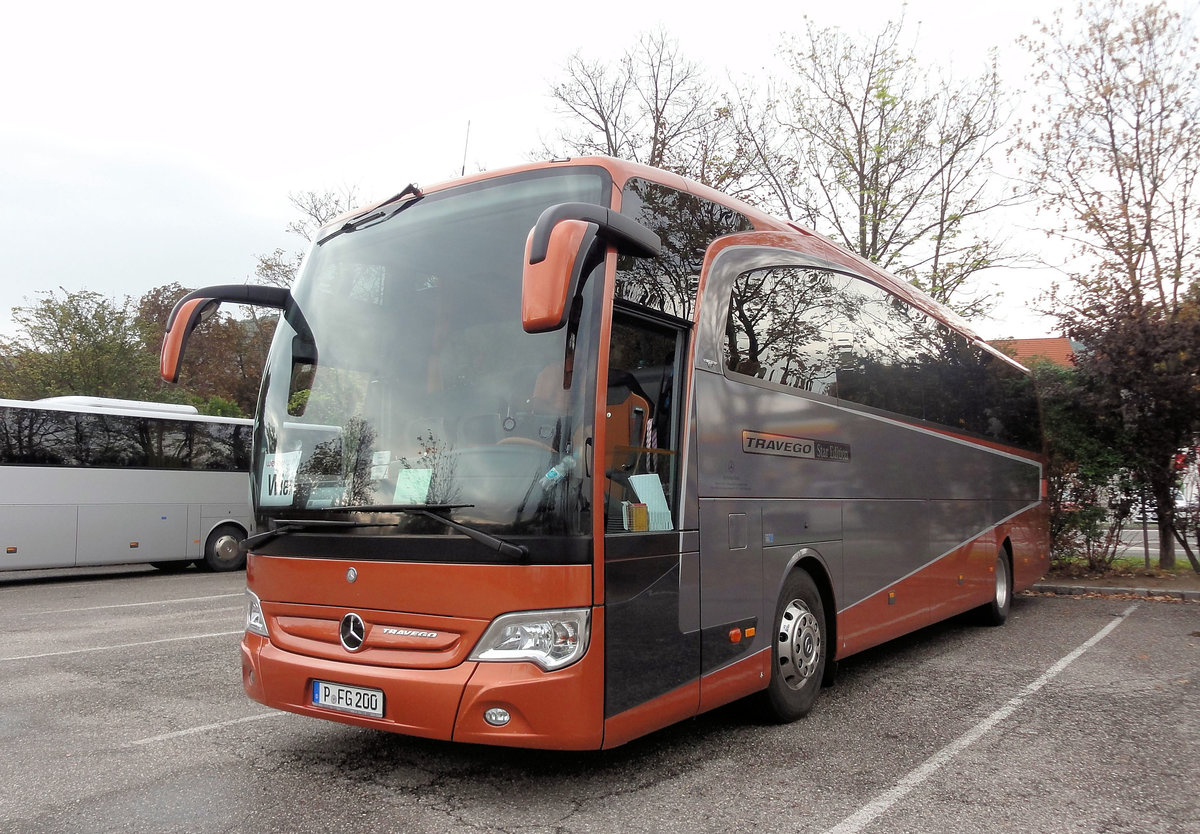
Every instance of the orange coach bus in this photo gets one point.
(559, 455)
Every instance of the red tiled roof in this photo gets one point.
(1055, 349)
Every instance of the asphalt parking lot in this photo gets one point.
(122, 710)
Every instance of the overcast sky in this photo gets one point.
(143, 143)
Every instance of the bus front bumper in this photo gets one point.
(561, 710)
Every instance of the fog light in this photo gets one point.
(497, 717)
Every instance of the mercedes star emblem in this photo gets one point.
(352, 632)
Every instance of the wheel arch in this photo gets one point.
(811, 561)
(217, 521)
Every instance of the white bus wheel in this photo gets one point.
(222, 551)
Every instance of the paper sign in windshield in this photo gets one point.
(279, 479)
(412, 486)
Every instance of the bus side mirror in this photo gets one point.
(562, 248)
(184, 319)
(548, 285)
(199, 305)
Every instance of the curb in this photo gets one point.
(1089, 590)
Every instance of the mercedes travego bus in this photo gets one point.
(558, 455)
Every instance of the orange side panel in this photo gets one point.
(653, 715)
(473, 591)
(561, 710)
(743, 678)
(961, 580)
(1030, 536)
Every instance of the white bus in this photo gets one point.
(93, 481)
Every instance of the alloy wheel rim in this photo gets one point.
(799, 644)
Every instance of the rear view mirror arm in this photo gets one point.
(199, 304)
(627, 235)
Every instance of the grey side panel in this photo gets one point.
(898, 495)
(651, 641)
(747, 547)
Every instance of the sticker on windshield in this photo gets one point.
(379, 465)
(326, 495)
(279, 479)
(412, 486)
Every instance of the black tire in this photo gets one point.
(222, 550)
(994, 613)
(798, 654)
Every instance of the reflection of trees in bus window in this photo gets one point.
(783, 327)
(846, 338)
(343, 461)
(59, 438)
(353, 281)
(686, 225)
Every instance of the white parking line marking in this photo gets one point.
(130, 605)
(203, 729)
(874, 809)
(122, 645)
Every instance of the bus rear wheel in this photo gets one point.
(994, 613)
(222, 550)
(799, 650)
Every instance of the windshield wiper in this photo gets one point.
(296, 525)
(433, 511)
(377, 214)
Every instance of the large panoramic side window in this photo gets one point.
(845, 338)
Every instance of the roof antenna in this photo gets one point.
(466, 142)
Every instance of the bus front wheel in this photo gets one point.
(799, 650)
(222, 551)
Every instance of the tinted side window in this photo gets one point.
(61, 438)
(788, 326)
(846, 338)
(686, 224)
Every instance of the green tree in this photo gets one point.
(77, 343)
(225, 354)
(1114, 154)
(1089, 488)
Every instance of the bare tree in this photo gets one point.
(1114, 153)
(315, 208)
(862, 143)
(654, 106)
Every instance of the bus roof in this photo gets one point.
(817, 244)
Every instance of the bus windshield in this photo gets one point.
(404, 377)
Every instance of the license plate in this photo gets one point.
(345, 698)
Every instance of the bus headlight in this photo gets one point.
(551, 639)
(256, 623)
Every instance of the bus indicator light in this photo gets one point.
(735, 635)
(10, 550)
(133, 545)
